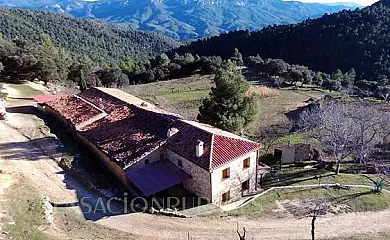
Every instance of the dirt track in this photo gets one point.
(19, 156)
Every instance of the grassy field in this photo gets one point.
(184, 96)
(378, 236)
(302, 176)
(295, 201)
(24, 208)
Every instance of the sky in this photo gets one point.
(361, 2)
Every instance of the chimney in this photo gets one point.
(199, 148)
(101, 105)
(172, 131)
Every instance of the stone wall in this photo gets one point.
(103, 158)
(302, 152)
(238, 175)
(200, 183)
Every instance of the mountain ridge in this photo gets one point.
(185, 19)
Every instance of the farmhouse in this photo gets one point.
(150, 150)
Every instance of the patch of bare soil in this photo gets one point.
(300, 208)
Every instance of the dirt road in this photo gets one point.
(21, 156)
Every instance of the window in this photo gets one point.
(246, 163)
(245, 185)
(226, 196)
(162, 156)
(179, 163)
(226, 173)
(147, 161)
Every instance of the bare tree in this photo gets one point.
(385, 130)
(241, 237)
(269, 135)
(318, 208)
(334, 130)
(368, 124)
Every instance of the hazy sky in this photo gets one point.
(361, 2)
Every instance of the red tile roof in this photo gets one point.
(128, 131)
(109, 102)
(226, 149)
(184, 143)
(218, 149)
(74, 109)
(47, 98)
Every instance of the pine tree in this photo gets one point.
(99, 82)
(83, 80)
(228, 106)
(237, 57)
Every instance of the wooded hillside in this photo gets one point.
(358, 39)
(90, 40)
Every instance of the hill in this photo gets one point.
(358, 39)
(98, 41)
(186, 19)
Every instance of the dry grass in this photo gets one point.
(263, 91)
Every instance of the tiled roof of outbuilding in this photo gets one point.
(74, 109)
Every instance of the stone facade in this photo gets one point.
(238, 175)
(200, 183)
(302, 152)
(111, 166)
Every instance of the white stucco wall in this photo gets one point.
(238, 175)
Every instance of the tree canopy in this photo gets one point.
(340, 41)
(228, 106)
(89, 40)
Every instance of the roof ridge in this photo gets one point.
(211, 151)
(202, 129)
(228, 134)
(109, 95)
(89, 103)
(238, 138)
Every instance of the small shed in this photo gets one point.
(293, 153)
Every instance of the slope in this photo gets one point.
(99, 41)
(186, 19)
(357, 39)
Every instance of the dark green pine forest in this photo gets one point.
(358, 39)
(346, 51)
(89, 40)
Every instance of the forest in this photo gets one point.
(345, 52)
(348, 39)
(88, 40)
